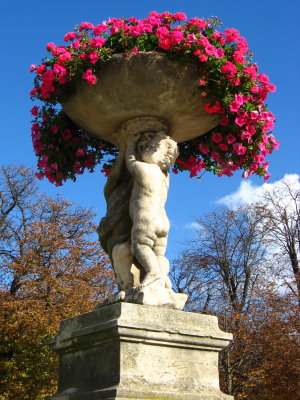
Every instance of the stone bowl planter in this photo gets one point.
(146, 84)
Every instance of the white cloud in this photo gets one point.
(192, 225)
(248, 193)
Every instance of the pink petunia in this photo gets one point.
(179, 16)
(34, 110)
(216, 137)
(239, 148)
(229, 69)
(85, 25)
(70, 36)
(54, 129)
(80, 153)
(230, 138)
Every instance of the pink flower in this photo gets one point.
(54, 128)
(135, 50)
(239, 57)
(266, 177)
(32, 67)
(80, 153)
(54, 166)
(176, 37)
(214, 108)
(64, 58)
(198, 23)
(179, 16)
(229, 69)
(230, 138)
(237, 103)
(92, 79)
(239, 148)
(191, 38)
(224, 121)
(41, 68)
(235, 81)
(85, 25)
(76, 44)
(258, 158)
(210, 49)
(262, 78)
(242, 45)
(70, 36)
(88, 76)
(34, 110)
(106, 170)
(93, 56)
(231, 35)
(215, 156)
(59, 50)
(272, 88)
(50, 46)
(100, 28)
(204, 149)
(97, 42)
(223, 147)
(59, 70)
(66, 134)
(219, 53)
(216, 137)
(250, 71)
(203, 58)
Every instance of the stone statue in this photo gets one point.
(135, 229)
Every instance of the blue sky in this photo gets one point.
(271, 29)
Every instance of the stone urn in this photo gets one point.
(146, 84)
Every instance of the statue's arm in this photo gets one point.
(131, 161)
(115, 174)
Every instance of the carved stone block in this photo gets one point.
(130, 351)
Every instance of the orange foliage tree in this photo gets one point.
(51, 268)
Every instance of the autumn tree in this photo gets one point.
(274, 335)
(51, 268)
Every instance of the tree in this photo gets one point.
(222, 264)
(51, 269)
(274, 336)
(226, 272)
(280, 207)
(220, 272)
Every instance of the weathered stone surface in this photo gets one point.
(128, 351)
(152, 295)
(146, 84)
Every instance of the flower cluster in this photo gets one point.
(230, 86)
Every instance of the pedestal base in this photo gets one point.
(129, 351)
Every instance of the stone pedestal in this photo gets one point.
(130, 351)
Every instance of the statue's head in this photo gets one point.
(157, 148)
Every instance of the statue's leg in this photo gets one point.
(164, 265)
(127, 274)
(142, 249)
